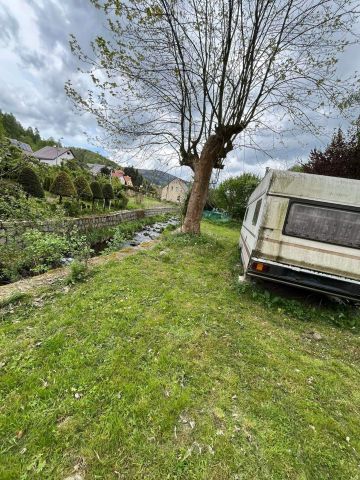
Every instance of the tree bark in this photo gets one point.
(199, 192)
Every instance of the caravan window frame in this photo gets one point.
(332, 206)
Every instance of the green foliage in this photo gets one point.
(136, 177)
(83, 188)
(63, 186)
(47, 183)
(14, 205)
(96, 190)
(108, 192)
(85, 156)
(232, 194)
(11, 160)
(105, 171)
(36, 252)
(30, 182)
(71, 208)
(13, 129)
(78, 272)
(121, 199)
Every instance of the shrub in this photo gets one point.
(14, 205)
(63, 186)
(78, 272)
(30, 182)
(108, 193)
(96, 191)
(72, 209)
(232, 194)
(83, 188)
(47, 183)
(121, 198)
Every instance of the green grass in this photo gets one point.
(162, 367)
(146, 202)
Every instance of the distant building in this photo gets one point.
(95, 168)
(175, 191)
(25, 147)
(124, 179)
(128, 181)
(54, 155)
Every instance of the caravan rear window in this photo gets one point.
(324, 224)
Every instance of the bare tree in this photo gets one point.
(188, 76)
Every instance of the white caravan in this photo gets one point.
(304, 230)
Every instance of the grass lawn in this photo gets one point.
(162, 367)
(147, 202)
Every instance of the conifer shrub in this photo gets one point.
(30, 182)
(83, 188)
(47, 183)
(108, 193)
(96, 191)
(63, 186)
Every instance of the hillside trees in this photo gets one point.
(341, 158)
(63, 186)
(189, 76)
(135, 175)
(30, 182)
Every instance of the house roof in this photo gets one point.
(24, 146)
(51, 153)
(96, 167)
(118, 173)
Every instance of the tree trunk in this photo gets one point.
(199, 192)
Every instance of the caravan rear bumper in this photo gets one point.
(309, 279)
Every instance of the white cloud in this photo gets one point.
(36, 62)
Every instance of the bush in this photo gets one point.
(78, 272)
(14, 205)
(232, 194)
(108, 193)
(30, 182)
(47, 183)
(72, 209)
(83, 188)
(96, 191)
(121, 199)
(39, 251)
(63, 186)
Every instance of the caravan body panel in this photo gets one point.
(306, 222)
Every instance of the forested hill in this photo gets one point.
(157, 177)
(10, 127)
(87, 156)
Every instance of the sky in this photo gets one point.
(35, 63)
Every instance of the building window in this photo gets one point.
(256, 212)
(324, 224)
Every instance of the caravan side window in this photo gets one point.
(256, 212)
(324, 224)
(246, 212)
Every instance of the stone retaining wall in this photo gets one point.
(12, 230)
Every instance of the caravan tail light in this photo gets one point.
(259, 267)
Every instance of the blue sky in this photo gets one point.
(36, 61)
